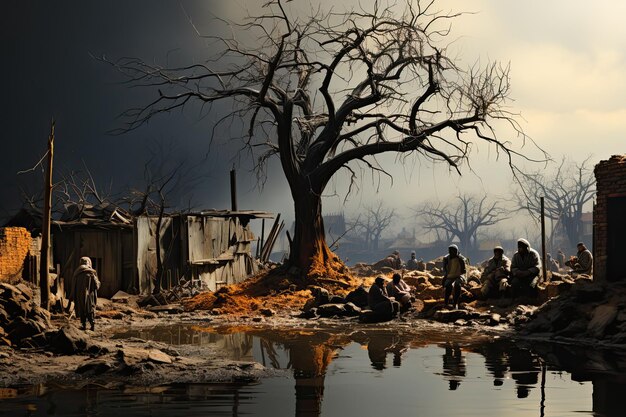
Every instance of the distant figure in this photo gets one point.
(454, 268)
(400, 291)
(392, 261)
(495, 276)
(378, 299)
(525, 269)
(553, 265)
(412, 264)
(582, 263)
(561, 258)
(84, 292)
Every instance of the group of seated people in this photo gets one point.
(514, 277)
(389, 298)
(521, 275)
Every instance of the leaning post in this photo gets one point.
(543, 241)
(44, 269)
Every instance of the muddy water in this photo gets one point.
(370, 372)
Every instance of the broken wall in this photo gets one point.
(609, 220)
(15, 245)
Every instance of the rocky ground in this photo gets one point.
(36, 346)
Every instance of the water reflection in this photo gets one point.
(513, 374)
(453, 365)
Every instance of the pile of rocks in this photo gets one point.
(587, 310)
(22, 321)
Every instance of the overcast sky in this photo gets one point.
(567, 72)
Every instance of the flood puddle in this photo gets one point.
(371, 372)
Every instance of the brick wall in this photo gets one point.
(15, 244)
(610, 181)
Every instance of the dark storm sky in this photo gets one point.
(48, 71)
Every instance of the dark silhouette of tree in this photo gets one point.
(330, 91)
(566, 190)
(166, 178)
(371, 223)
(462, 218)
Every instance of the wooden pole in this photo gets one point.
(44, 269)
(262, 234)
(233, 189)
(543, 241)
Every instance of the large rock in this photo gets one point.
(358, 297)
(331, 310)
(68, 340)
(22, 328)
(369, 316)
(589, 292)
(450, 316)
(603, 316)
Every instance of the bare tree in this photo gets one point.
(566, 190)
(372, 223)
(330, 91)
(462, 219)
(165, 179)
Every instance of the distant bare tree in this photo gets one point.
(463, 218)
(330, 90)
(371, 223)
(566, 190)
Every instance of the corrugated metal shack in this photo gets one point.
(105, 234)
(212, 248)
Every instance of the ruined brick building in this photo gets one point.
(609, 214)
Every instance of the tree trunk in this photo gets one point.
(309, 242)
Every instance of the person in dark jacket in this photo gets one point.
(378, 299)
(84, 292)
(454, 269)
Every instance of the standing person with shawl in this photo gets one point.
(84, 292)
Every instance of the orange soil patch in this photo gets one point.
(275, 290)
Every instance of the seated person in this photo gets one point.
(498, 268)
(378, 300)
(412, 264)
(525, 269)
(392, 261)
(553, 265)
(582, 263)
(400, 291)
(453, 275)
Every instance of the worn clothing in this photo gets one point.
(497, 267)
(530, 262)
(454, 269)
(494, 272)
(584, 265)
(84, 291)
(400, 291)
(412, 264)
(378, 300)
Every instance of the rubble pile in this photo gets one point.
(22, 321)
(590, 311)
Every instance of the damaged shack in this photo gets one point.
(103, 232)
(211, 248)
